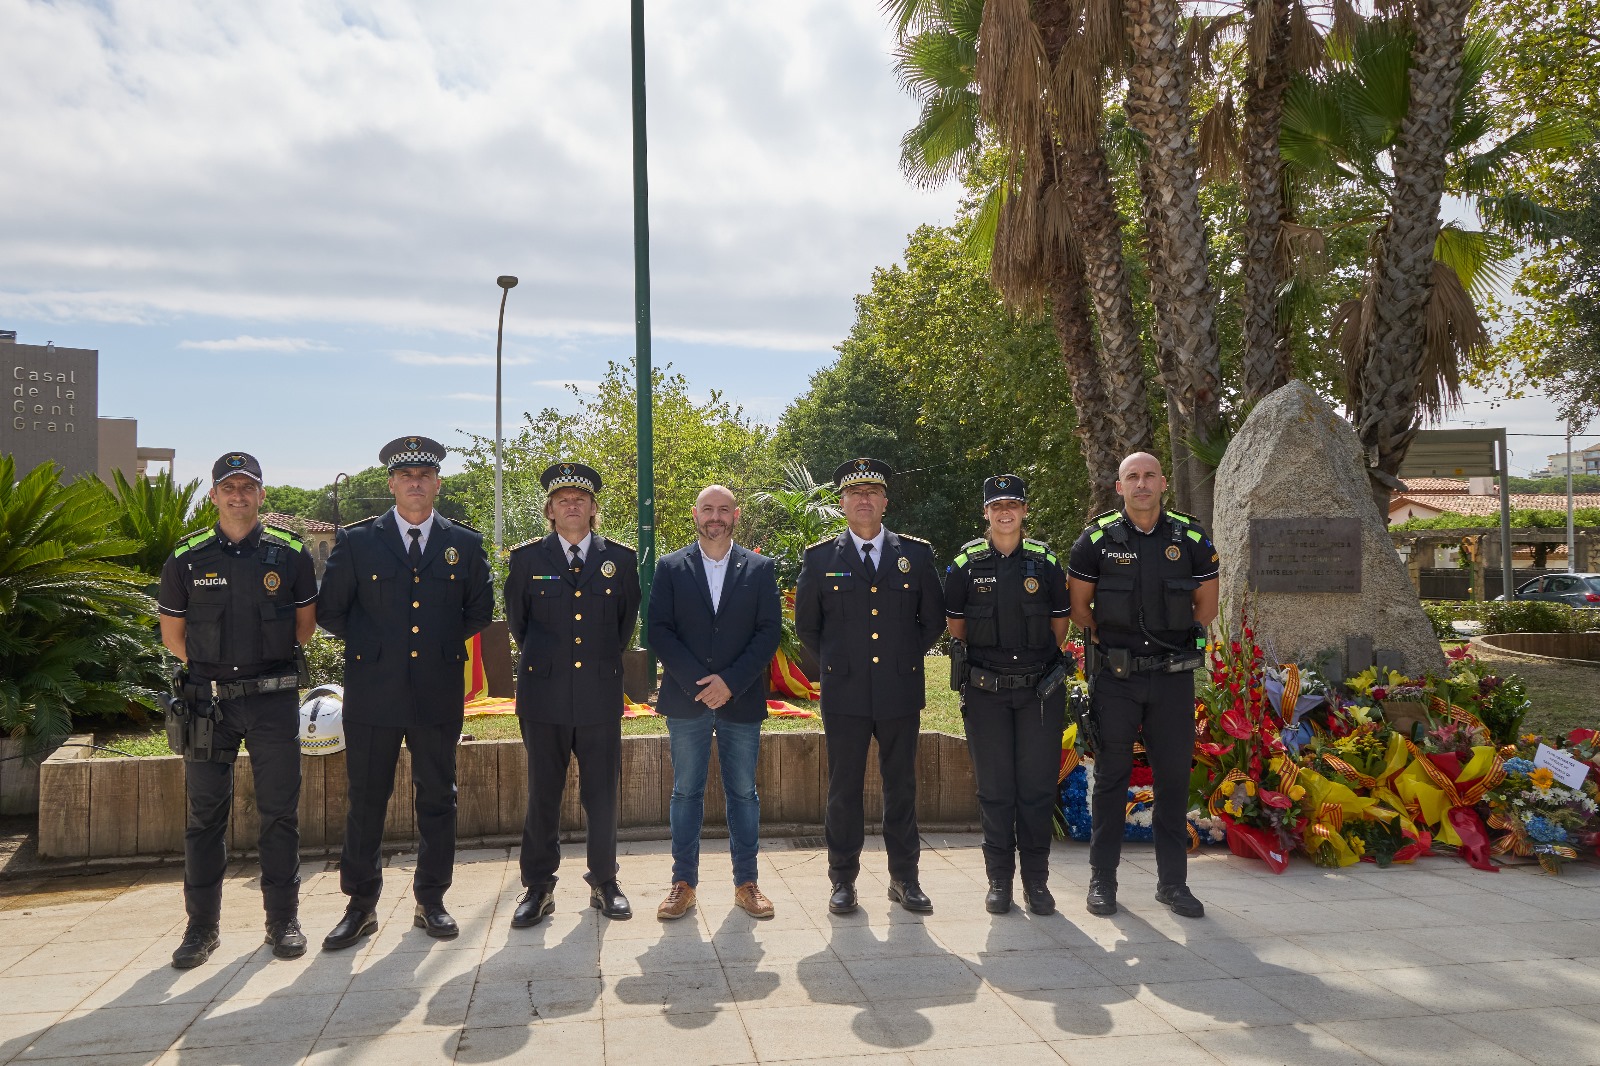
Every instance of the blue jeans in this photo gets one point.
(737, 746)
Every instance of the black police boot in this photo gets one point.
(998, 901)
(356, 923)
(1037, 893)
(286, 937)
(1180, 900)
(1102, 893)
(436, 920)
(909, 895)
(843, 900)
(610, 901)
(536, 904)
(199, 941)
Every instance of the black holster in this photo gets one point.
(958, 665)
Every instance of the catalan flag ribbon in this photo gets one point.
(788, 679)
(477, 679)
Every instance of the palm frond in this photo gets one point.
(1479, 261)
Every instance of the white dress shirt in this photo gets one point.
(582, 546)
(877, 547)
(407, 527)
(716, 573)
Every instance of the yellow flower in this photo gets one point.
(1529, 738)
(1297, 792)
(1542, 778)
(1357, 845)
(1249, 788)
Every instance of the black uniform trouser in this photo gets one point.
(371, 754)
(1015, 742)
(1156, 709)
(848, 737)
(550, 750)
(269, 726)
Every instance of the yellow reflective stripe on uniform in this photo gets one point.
(1094, 537)
(1195, 536)
(961, 560)
(1107, 519)
(1176, 517)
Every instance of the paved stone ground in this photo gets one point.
(1436, 963)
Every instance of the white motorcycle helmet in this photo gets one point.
(322, 721)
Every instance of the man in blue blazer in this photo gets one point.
(405, 590)
(715, 622)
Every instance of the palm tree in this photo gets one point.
(1348, 125)
(804, 511)
(1052, 221)
(156, 515)
(75, 626)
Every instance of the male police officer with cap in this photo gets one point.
(1142, 582)
(235, 602)
(869, 606)
(406, 590)
(1006, 598)
(572, 599)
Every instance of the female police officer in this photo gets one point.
(1006, 598)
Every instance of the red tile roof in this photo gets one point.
(1435, 485)
(312, 525)
(1490, 505)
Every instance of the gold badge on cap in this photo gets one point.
(608, 568)
(452, 556)
(271, 581)
(1173, 553)
(905, 565)
(1030, 585)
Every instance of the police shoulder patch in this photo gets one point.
(282, 536)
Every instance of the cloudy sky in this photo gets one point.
(281, 223)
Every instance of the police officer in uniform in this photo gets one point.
(869, 605)
(235, 602)
(1006, 599)
(405, 590)
(572, 600)
(1143, 583)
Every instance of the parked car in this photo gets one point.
(1575, 590)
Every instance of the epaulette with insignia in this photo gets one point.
(1186, 519)
(530, 542)
(617, 544)
(824, 540)
(919, 540)
(1040, 547)
(463, 525)
(195, 540)
(363, 522)
(973, 549)
(1100, 523)
(283, 536)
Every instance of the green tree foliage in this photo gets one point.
(76, 628)
(697, 443)
(1520, 519)
(803, 511)
(156, 514)
(939, 380)
(295, 501)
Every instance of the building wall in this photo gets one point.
(119, 448)
(52, 407)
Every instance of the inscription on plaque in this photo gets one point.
(1311, 554)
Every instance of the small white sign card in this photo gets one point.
(1568, 771)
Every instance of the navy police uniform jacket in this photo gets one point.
(870, 637)
(571, 629)
(405, 631)
(1144, 582)
(736, 641)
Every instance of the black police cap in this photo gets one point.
(1004, 487)
(236, 463)
(570, 476)
(862, 471)
(412, 451)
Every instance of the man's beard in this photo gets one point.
(712, 530)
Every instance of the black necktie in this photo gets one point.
(415, 554)
(577, 563)
(866, 561)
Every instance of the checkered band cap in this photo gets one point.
(566, 475)
(412, 451)
(863, 471)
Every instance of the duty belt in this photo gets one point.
(232, 690)
(992, 681)
(1171, 662)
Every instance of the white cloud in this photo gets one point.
(379, 163)
(247, 343)
(413, 358)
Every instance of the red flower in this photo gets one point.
(1235, 724)
(1380, 693)
(1213, 749)
(1579, 736)
(1249, 634)
(1234, 647)
(1276, 799)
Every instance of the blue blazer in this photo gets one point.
(736, 641)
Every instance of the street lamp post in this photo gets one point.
(644, 385)
(506, 283)
(1572, 555)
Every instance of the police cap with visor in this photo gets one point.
(862, 471)
(570, 476)
(412, 451)
(1004, 487)
(235, 463)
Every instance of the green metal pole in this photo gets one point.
(641, 296)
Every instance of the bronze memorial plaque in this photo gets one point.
(1310, 554)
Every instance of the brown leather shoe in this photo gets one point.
(679, 901)
(748, 897)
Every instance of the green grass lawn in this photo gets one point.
(943, 713)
